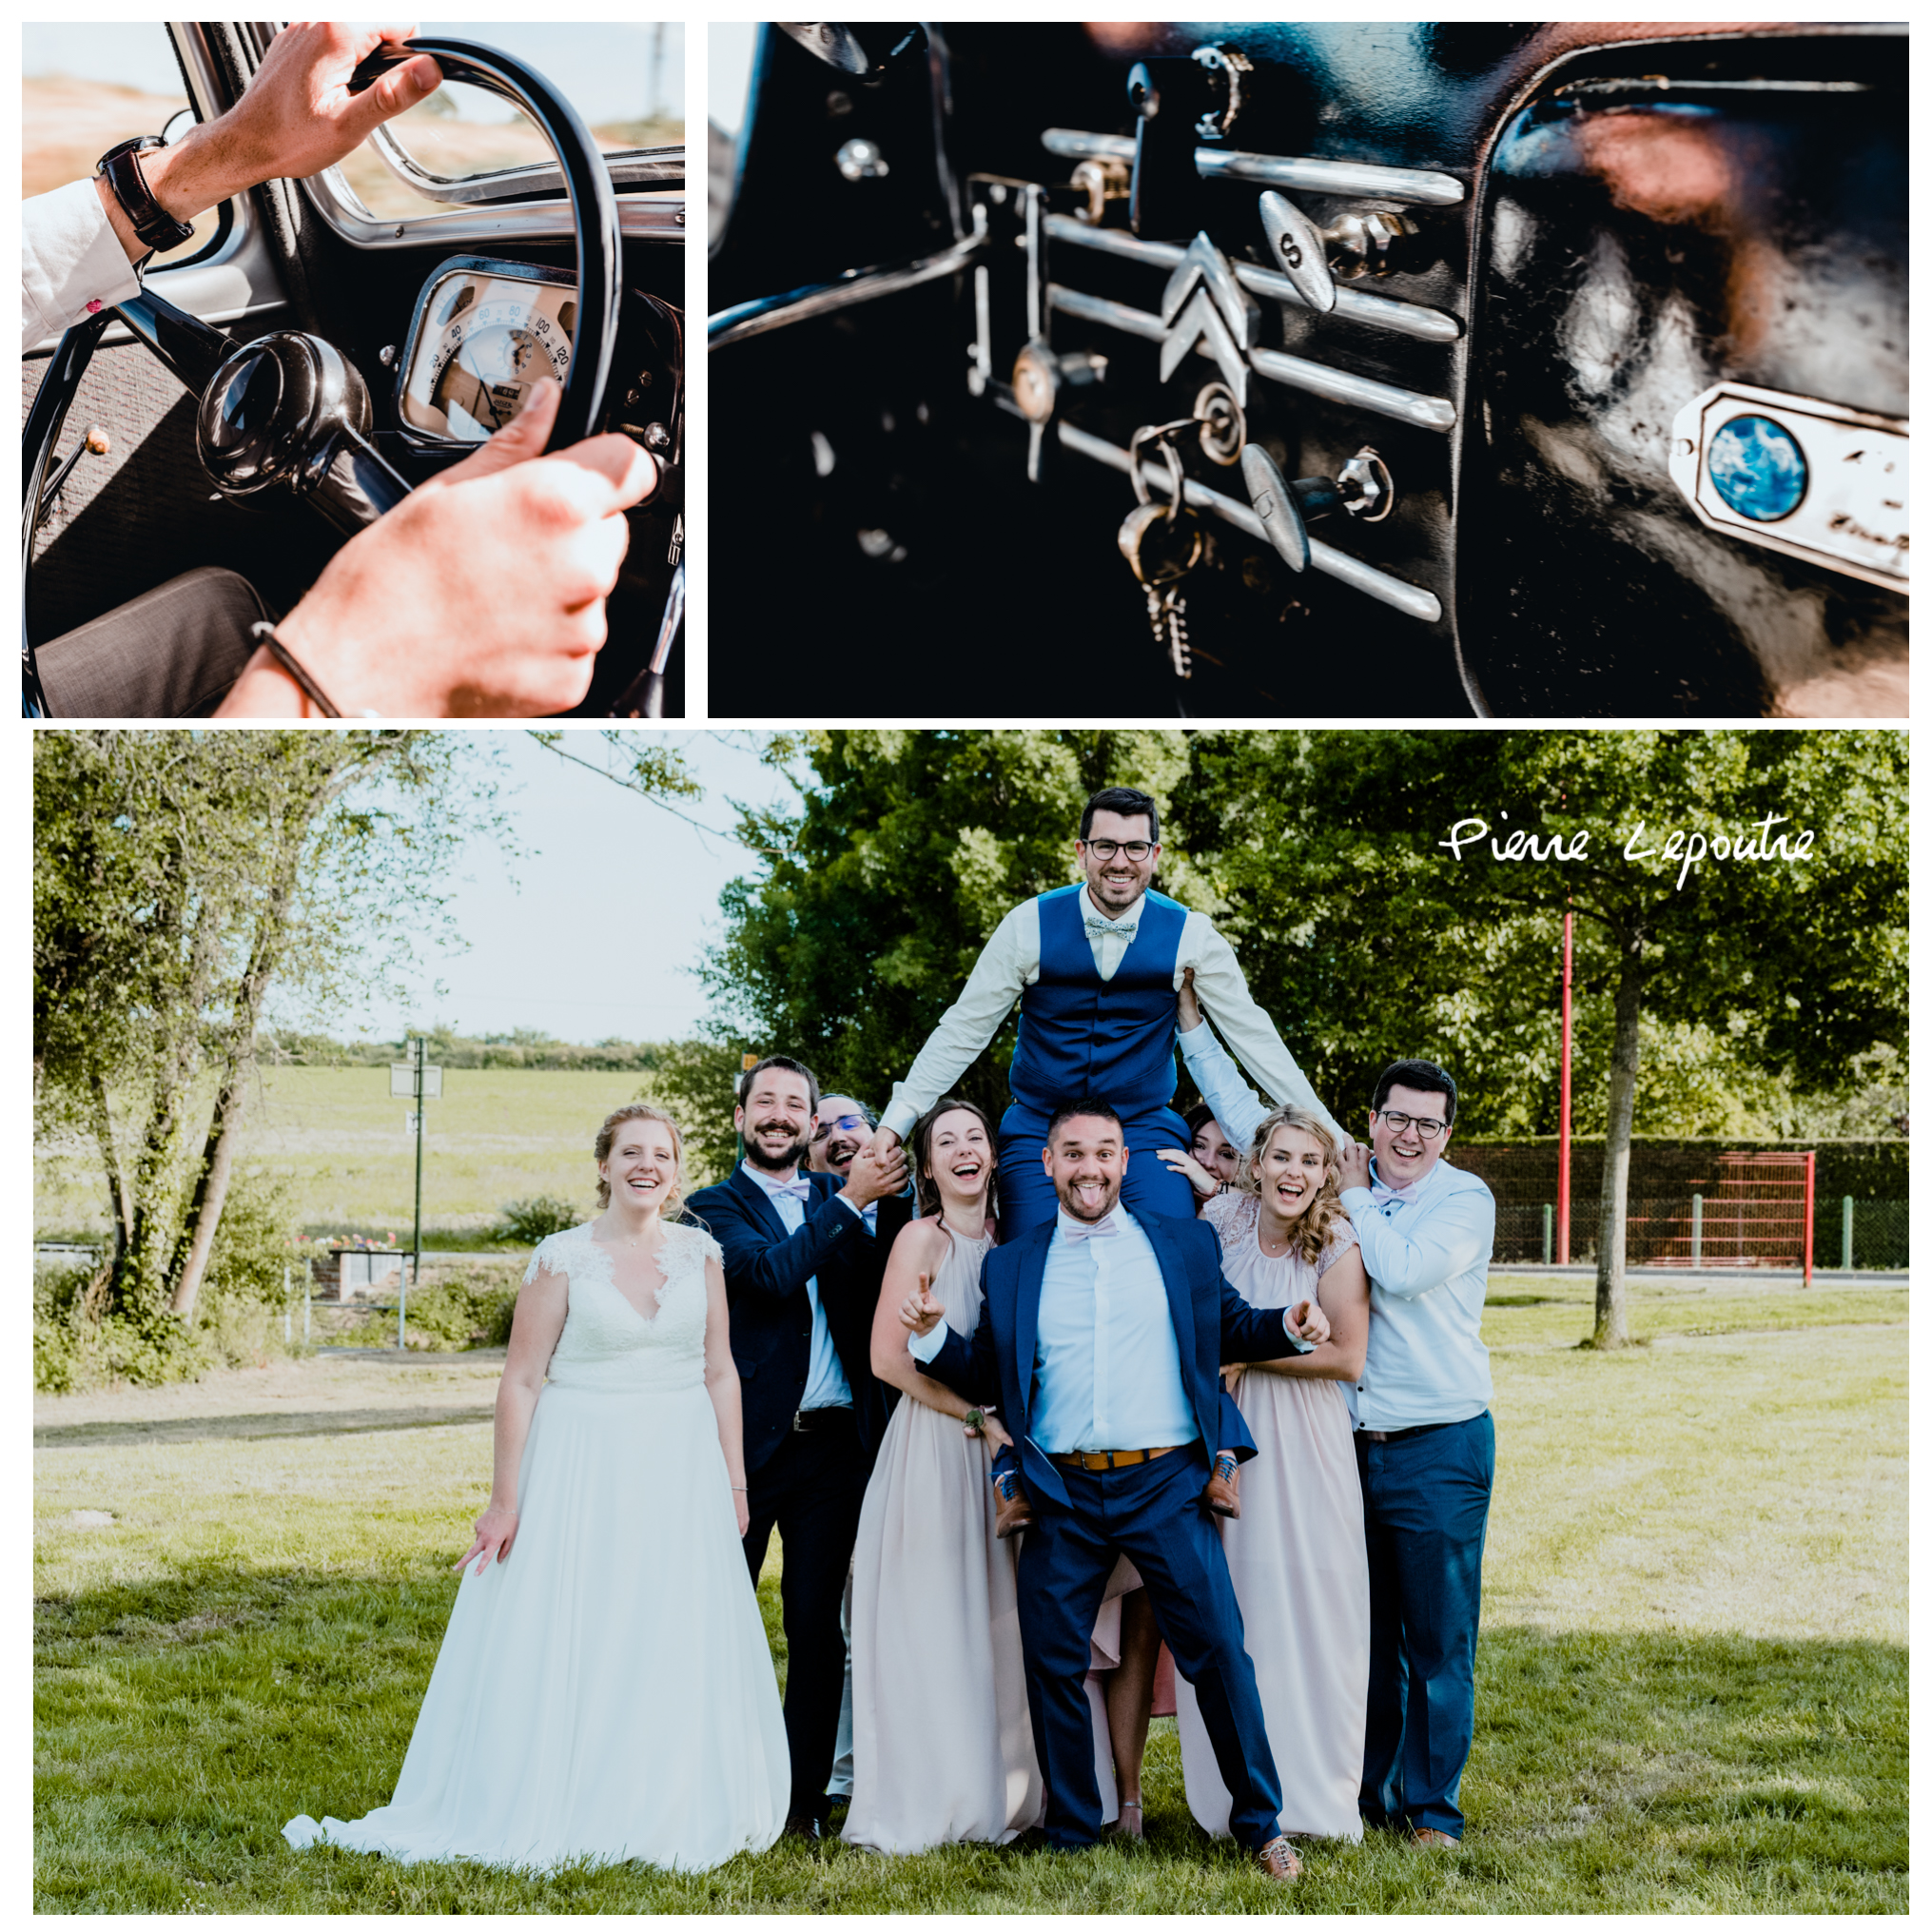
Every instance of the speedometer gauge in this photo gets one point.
(485, 332)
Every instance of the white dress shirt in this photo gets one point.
(71, 261)
(825, 1380)
(1426, 1250)
(1010, 964)
(1106, 1363)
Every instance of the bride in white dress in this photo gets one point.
(604, 1690)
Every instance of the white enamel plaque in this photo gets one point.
(1806, 477)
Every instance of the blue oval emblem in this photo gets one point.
(1758, 468)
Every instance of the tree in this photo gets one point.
(180, 878)
(1397, 893)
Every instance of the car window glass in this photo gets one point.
(625, 80)
(85, 88)
(730, 44)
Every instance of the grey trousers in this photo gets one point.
(173, 653)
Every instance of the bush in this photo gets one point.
(530, 1221)
(466, 1308)
(79, 1342)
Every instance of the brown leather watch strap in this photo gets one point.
(153, 221)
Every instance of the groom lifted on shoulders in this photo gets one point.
(1096, 968)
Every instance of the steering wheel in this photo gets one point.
(287, 410)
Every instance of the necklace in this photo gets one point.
(1287, 1241)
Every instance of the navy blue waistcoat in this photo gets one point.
(1085, 1037)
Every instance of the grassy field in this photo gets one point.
(340, 1139)
(1691, 1684)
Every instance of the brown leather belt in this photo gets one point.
(1111, 1458)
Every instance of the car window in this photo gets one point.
(85, 88)
(626, 80)
(730, 47)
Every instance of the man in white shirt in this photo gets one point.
(1101, 1335)
(1096, 968)
(1425, 1447)
(401, 623)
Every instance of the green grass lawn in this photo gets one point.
(1691, 1686)
(340, 1139)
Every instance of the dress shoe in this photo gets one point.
(803, 1825)
(1223, 1493)
(1015, 1513)
(1426, 1837)
(1277, 1858)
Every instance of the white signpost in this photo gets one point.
(415, 1080)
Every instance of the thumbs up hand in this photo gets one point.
(919, 1311)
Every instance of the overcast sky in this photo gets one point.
(605, 69)
(618, 899)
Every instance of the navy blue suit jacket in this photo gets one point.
(1212, 1324)
(766, 1270)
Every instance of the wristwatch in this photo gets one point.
(153, 221)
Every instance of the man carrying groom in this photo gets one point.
(1096, 968)
(1100, 1337)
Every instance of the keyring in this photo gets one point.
(1163, 433)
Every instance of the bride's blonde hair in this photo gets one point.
(607, 1139)
(1315, 1226)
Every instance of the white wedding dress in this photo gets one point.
(607, 1692)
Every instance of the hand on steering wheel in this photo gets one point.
(416, 618)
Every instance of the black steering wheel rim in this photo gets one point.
(587, 187)
(193, 350)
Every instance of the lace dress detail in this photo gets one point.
(606, 1342)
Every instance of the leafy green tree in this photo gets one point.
(180, 878)
(1399, 893)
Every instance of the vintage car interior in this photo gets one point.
(262, 401)
(1500, 369)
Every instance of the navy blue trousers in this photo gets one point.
(1149, 1186)
(1153, 1513)
(1426, 1500)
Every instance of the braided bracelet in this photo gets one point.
(264, 634)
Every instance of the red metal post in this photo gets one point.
(1562, 1123)
(1811, 1203)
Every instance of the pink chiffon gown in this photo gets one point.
(1299, 1560)
(941, 1741)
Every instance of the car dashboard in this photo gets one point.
(1475, 304)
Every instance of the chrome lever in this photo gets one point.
(1362, 487)
(1362, 242)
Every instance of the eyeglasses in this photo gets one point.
(1104, 850)
(846, 1123)
(1398, 1122)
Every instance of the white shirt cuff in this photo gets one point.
(70, 257)
(924, 1348)
(846, 1200)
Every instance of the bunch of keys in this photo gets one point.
(1163, 543)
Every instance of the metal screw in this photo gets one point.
(656, 436)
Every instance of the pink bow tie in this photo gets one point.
(801, 1189)
(1071, 1230)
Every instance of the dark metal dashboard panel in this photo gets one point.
(1519, 312)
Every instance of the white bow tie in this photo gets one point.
(1126, 928)
(1071, 1230)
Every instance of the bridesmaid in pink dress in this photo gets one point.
(1298, 1554)
(942, 1740)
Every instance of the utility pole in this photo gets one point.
(421, 1082)
(1563, 1122)
(416, 1267)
